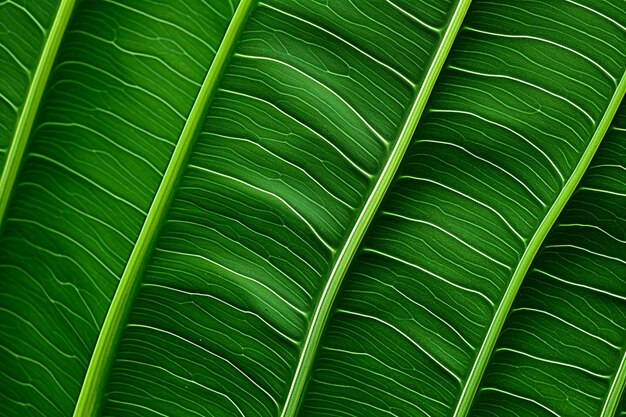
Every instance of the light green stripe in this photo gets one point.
(476, 374)
(615, 392)
(327, 299)
(96, 379)
(612, 401)
(26, 118)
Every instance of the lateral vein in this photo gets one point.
(482, 358)
(94, 384)
(19, 142)
(342, 263)
(615, 391)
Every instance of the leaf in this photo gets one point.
(185, 233)
(116, 106)
(27, 50)
(563, 346)
(444, 260)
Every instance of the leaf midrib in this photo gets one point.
(26, 118)
(482, 358)
(616, 390)
(353, 241)
(96, 378)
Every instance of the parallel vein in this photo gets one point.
(94, 384)
(482, 358)
(26, 118)
(342, 263)
(616, 390)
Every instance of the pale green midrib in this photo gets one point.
(344, 259)
(480, 364)
(616, 390)
(96, 378)
(19, 142)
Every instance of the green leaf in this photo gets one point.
(28, 48)
(563, 347)
(121, 97)
(295, 208)
(493, 163)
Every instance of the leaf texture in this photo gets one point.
(510, 118)
(277, 110)
(27, 50)
(21, 49)
(271, 261)
(562, 350)
(330, 123)
(126, 78)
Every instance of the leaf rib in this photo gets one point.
(94, 384)
(342, 263)
(615, 391)
(482, 358)
(25, 121)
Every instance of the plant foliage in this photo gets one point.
(316, 208)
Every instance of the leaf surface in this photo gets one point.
(125, 81)
(273, 270)
(27, 50)
(209, 220)
(508, 132)
(562, 350)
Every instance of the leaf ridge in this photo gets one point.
(609, 409)
(25, 121)
(94, 384)
(482, 358)
(342, 263)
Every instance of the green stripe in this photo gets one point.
(25, 121)
(327, 299)
(94, 385)
(609, 409)
(480, 364)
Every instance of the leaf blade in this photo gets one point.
(567, 322)
(60, 248)
(300, 135)
(445, 245)
(327, 299)
(467, 397)
(17, 144)
(227, 172)
(92, 390)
